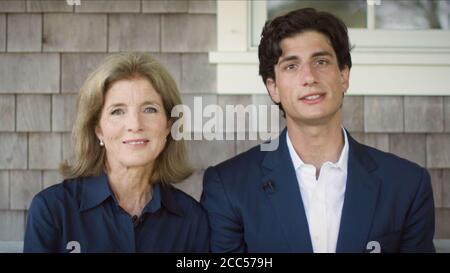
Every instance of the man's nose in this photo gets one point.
(307, 75)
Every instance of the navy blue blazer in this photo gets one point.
(254, 204)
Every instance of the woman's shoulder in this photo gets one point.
(186, 202)
(60, 192)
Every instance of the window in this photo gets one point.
(360, 15)
(412, 14)
(353, 12)
(381, 14)
(400, 47)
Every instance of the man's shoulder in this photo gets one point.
(394, 166)
(239, 171)
(390, 159)
(249, 159)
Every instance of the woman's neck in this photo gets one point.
(132, 187)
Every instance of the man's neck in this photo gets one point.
(317, 144)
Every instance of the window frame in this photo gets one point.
(385, 62)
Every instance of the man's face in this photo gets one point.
(308, 81)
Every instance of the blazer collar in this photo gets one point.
(360, 200)
(280, 184)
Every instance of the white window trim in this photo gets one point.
(385, 62)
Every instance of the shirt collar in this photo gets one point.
(343, 158)
(155, 203)
(96, 189)
(298, 162)
(168, 199)
(163, 196)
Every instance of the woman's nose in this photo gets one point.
(134, 122)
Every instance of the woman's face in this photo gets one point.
(133, 124)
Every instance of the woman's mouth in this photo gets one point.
(136, 142)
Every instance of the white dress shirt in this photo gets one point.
(323, 198)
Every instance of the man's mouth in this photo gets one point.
(313, 98)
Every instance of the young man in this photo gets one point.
(320, 191)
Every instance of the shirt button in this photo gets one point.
(135, 220)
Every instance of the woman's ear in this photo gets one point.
(98, 132)
(170, 122)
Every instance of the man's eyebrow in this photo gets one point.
(322, 53)
(295, 58)
(288, 58)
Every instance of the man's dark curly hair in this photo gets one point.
(295, 22)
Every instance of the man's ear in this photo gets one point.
(273, 90)
(345, 78)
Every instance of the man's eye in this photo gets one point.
(322, 62)
(150, 109)
(291, 66)
(117, 112)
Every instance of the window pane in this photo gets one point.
(412, 14)
(352, 12)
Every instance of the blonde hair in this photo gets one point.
(171, 165)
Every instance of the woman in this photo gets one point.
(117, 195)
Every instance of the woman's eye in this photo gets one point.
(117, 112)
(150, 109)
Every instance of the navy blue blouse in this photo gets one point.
(82, 215)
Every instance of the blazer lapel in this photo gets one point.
(280, 184)
(360, 200)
